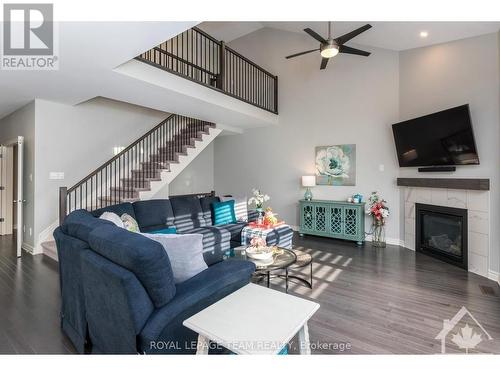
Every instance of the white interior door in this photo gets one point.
(11, 202)
(6, 189)
(20, 198)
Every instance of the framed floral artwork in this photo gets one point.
(336, 165)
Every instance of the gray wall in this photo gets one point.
(197, 177)
(355, 100)
(22, 123)
(451, 74)
(76, 140)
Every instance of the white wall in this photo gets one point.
(22, 123)
(197, 177)
(447, 75)
(355, 100)
(76, 140)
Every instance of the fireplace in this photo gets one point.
(441, 232)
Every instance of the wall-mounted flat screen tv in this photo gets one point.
(441, 138)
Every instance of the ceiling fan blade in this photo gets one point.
(324, 61)
(346, 37)
(301, 53)
(353, 51)
(315, 35)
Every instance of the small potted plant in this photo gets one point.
(258, 201)
(378, 209)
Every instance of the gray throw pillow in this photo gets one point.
(185, 252)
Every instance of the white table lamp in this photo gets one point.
(308, 182)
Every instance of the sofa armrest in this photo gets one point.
(117, 305)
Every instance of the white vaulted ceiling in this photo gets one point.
(397, 36)
(88, 53)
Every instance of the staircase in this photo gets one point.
(138, 172)
(139, 181)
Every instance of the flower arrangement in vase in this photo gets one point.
(270, 218)
(378, 209)
(258, 201)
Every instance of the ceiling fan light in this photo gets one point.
(329, 51)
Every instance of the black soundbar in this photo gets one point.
(438, 169)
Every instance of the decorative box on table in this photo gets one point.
(280, 235)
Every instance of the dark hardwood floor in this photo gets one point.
(29, 303)
(392, 300)
(373, 301)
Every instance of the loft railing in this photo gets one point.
(197, 56)
(132, 170)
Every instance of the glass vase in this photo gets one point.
(378, 236)
(260, 216)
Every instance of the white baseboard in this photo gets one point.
(390, 241)
(494, 276)
(28, 248)
(45, 235)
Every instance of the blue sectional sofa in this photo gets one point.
(118, 294)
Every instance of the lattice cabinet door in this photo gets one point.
(352, 222)
(321, 218)
(336, 220)
(307, 217)
(333, 219)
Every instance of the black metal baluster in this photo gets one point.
(99, 182)
(91, 195)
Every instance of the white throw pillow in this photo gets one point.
(240, 207)
(185, 252)
(114, 218)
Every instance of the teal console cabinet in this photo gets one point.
(336, 219)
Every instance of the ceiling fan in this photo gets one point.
(332, 46)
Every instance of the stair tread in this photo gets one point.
(117, 200)
(145, 179)
(128, 188)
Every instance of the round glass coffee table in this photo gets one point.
(281, 260)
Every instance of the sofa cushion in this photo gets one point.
(223, 212)
(119, 209)
(206, 206)
(145, 258)
(193, 296)
(215, 243)
(185, 252)
(80, 223)
(153, 214)
(188, 213)
(235, 230)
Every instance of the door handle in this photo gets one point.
(19, 201)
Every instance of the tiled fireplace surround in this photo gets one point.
(477, 203)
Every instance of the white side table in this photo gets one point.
(254, 320)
